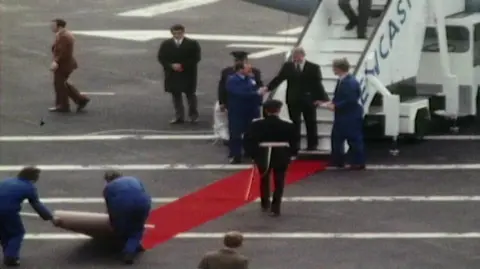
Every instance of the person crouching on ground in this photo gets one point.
(128, 206)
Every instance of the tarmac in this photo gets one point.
(417, 210)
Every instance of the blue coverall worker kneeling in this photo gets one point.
(128, 206)
(13, 192)
(348, 119)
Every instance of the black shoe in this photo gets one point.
(274, 214)
(194, 120)
(82, 104)
(177, 121)
(11, 262)
(356, 167)
(59, 110)
(313, 148)
(350, 26)
(140, 249)
(129, 258)
(235, 160)
(362, 36)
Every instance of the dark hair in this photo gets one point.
(233, 239)
(341, 64)
(111, 175)
(239, 66)
(60, 23)
(177, 27)
(29, 173)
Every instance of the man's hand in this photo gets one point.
(318, 103)
(54, 66)
(330, 106)
(223, 108)
(262, 90)
(177, 67)
(56, 222)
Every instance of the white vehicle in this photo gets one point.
(420, 61)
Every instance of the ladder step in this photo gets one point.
(343, 45)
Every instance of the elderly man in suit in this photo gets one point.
(348, 118)
(227, 257)
(304, 93)
(179, 57)
(62, 66)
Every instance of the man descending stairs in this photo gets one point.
(361, 20)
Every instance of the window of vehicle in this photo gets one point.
(457, 36)
(476, 45)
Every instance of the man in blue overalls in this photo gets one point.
(244, 101)
(13, 192)
(348, 119)
(128, 206)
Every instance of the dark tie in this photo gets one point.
(299, 69)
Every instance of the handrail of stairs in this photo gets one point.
(390, 104)
(372, 37)
(300, 38)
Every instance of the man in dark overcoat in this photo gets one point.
(179, 57)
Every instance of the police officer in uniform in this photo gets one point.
(239, 57)
(271, 129)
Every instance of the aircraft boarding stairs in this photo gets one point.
(395, 37)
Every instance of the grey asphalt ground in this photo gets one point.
(130, 70)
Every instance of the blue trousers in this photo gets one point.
(129, 226)
(11, 234)
(351, 131)
(238, 123)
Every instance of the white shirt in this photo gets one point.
(178, 42)
(300, 64)
(340, 78)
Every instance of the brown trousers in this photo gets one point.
(65, 90)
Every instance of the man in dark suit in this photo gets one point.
(227, 257)
(221, 106)
(179, 57)
(304, 93)
(272, 156)
(348, 119)
(62, 66)
(360, 21)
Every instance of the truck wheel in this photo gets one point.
(422, 125)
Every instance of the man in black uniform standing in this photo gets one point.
(271, 129)
(239, 57)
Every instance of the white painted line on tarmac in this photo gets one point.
(292, 199)
(471, 235)
(222, 167)
(132, 167)
(453, 137)
(99, 93)
(104, 138)
(147, 35)
(268, 53)
(164, 8)
(292, 31)
(256, 46)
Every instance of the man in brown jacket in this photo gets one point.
(227, 257)
(62, 67)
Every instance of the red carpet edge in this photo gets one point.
(213, 201)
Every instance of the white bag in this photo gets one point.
(220, 122)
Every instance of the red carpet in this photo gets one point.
(213, 201)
